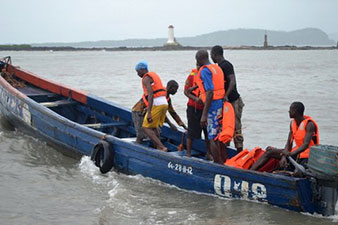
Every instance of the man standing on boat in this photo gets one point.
(210, 81)
(155, 96)
(303, 130)
(194, 113)
(231, 93)
(140, 107)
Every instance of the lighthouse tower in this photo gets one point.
(266, 40)
(171, 38)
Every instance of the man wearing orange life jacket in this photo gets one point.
(140, 107)
(303, 130)
(171, 89)
(194, 113)
(210, 81)
(155, 95)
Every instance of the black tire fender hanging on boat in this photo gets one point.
(103, 156)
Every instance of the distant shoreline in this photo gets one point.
(158, 48)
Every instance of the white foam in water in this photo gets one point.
(97, 211)
(192, 217)
(334, 218)
(88, 167)
(113, 191)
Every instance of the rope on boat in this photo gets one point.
(10, 78)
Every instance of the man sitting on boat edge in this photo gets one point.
(303, 130)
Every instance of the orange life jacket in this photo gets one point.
(245, 159)
(194, 73)
(217, 80)
(157, 86)
(228, 123)
(298, 135)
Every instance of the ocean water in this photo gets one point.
(39, 185)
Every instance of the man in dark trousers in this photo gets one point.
(231, 93)
(194, 113)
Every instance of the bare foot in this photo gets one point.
(180, 147)
(209, 157)
(164, 149)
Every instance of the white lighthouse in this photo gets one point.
(171, 37)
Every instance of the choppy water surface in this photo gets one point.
(41, 186)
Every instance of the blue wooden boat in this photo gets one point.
(74, 121)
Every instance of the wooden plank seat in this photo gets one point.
(104, 125)
(57, 103)
(49, 95)
(33, 91)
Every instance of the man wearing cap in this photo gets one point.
(154, 97)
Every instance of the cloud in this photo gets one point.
(37, 21)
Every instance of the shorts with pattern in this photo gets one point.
(214, 126)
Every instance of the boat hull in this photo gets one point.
(172, 168)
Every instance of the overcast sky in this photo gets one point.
(37, 21)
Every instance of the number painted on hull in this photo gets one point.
(225, 186)
(180, 168)
(16, 106)
(26, 115)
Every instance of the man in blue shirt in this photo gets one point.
(212, 86)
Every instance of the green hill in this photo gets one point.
(235, 37)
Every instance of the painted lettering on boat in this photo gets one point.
(20, 108)
(180, 168)
(227, 187)
(27, 117)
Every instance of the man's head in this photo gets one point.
(216, 53)
(202, 58)
(141, 68)
(172, 87)
(296, 109)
